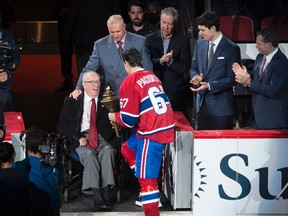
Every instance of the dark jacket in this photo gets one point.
(70, 119)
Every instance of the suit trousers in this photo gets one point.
(210, 122)
(99, 165)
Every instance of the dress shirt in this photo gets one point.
(269, 57)
(86, 112)
(123, 42)
(166, 42)
(216, 43)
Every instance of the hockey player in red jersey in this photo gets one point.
(145, 106)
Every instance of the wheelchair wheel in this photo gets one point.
(66, 195)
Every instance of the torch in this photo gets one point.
(111, 102)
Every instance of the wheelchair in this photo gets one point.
(73, 175)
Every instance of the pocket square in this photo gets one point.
(221, 57)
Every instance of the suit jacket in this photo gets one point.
(171, 75)
(70, 119)
(270, 93)
(220, 76)
(105, 55)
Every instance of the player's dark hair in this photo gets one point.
(132, 56)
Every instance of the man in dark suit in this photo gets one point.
(106, 55)
(268, 83)
(59, 13)
(86, 23)
(170, 54)
(74, 123)
(212, 75)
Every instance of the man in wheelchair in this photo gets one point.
(95, 146)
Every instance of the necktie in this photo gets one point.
(211, 53)
(261, 71)
(93, 132)
(120, 49)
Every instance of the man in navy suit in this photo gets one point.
(214, 80)
(268, 82)
(171, 57)
(106, 56)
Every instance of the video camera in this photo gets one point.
(51, 149)
(51, 145)
(7, 55)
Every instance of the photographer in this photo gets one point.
(9, 61)
(45, 179)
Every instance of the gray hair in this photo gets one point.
(116, 18)
(171, 11)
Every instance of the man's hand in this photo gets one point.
(197, 79)
(203, 86)
(3, 75)
(75, 93)
(166, 57)
(83, 141)
(241, 74)
(112, 117)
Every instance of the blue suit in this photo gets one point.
(219, 100)
(105, 55)
(270, 93)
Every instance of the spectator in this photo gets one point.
(268, 83)
(170, 54)
(45, 179)
(211, 69)
(106, 55)
(15, 197)
(145, 106)
(74, 123)
(65, 47)
(138, 25)
(86, 23)
(154, 8)
(10, 59)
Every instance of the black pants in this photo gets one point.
(210, 122)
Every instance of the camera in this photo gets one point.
(7, 54)
(50, 145)
(51, 149)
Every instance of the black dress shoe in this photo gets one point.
(99, 205)
(65, 86)
(107, 197)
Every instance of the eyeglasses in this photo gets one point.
(92, 82)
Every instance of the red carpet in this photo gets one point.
(39, 74)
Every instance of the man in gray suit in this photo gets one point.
(106, 55)
(98, 162)
(211, 69)
(268, 83)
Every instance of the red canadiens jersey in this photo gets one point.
(144, 104)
